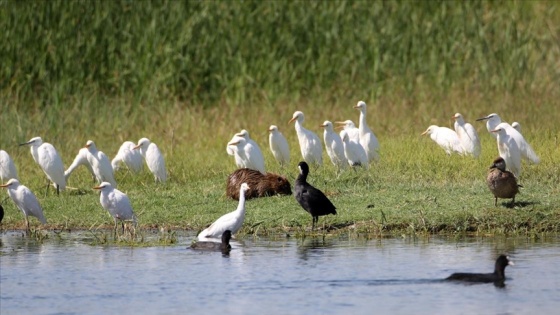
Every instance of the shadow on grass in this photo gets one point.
(519, 204)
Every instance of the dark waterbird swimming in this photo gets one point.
(498, 276)
(310, 198)
(224, 246)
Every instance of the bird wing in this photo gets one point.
(28, 203)
(525, 149)
(156, 162)
(255, 158)
(52, 165)
(229, 221)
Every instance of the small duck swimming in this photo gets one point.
(497, 276)
(224, 246)
(502, 183)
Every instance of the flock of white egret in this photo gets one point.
(354, 147)
(97, 162)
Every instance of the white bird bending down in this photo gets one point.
(354, 152)
(334, 146)
(467, 135)
(351, 130)
(154, 159)
(446, 138)
(25, 200)
(230, 221)
(116, 203)
(309, 142)
(246, 155)
(47, 157)
(100, 164)
(508, 148)
(80, 159)
(278, 146)
(131, 158)
(368, 140)
(7, 167)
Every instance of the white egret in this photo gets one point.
(334, 146)
(508, 148)
(80, 159)
(446, 138)
(368, 140)
(309, 142)
(100, 164)
(131, 158)
(351, 129)
(253, 152)
(246, 155)
(354, 152)
(230, 221)
(492, 121)
(154, 159)
(116, 203)
(48, 158)
(278, 145)
(7, 167)
(25, 200)
(527, 152)
(467, 135)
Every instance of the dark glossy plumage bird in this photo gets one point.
(502, 183)
(223, 246)
(310, 198)
(497, 276)
(1, 213)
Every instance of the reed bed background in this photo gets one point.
(188, 75)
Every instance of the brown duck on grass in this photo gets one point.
(502, 183)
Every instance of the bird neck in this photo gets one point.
(363, 123)
(302, 178)
(241, 205)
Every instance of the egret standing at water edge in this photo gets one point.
(117, 203)
(25, 200)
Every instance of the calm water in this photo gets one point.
(276, 276)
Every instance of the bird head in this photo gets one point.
(11, 182)
(141, 143)
(36, 141)
(102, 186)
(297, 116)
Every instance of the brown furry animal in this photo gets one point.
(261, 185)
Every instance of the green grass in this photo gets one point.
(181, 75)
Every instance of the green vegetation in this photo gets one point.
(188, 75)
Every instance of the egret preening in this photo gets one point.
(7, 167)
(516, 126)
(130, 157)
(116, 203)
(310, 198)
(354, 152)
(368, 140)
(446, 138)
(278, 146)
(80, 159)
(467, 136)
(100, 164)
(46, 156)
(230, 221)
(25, 200)
(309, 142)
(334, 146)
(501, 183)
(154, 159)
(351, 130)
(253, 154)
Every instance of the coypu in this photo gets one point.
(261, 185)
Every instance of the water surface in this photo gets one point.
(280, 275)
